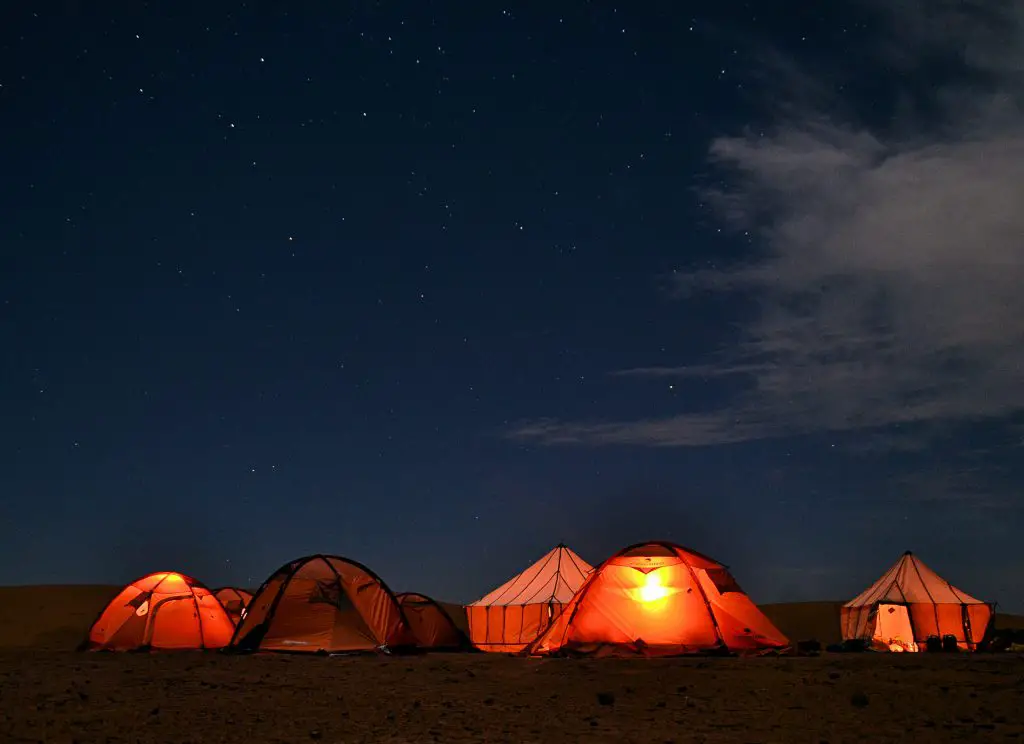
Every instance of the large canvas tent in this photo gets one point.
(235, 600)
(514, 614)
(659, 599)
(323, 604)
(431, 625)
(911, 603)
(165, 610)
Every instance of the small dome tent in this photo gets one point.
(235, 600)
(165, 610)
(323, 604)
(431, 624)
(911, 603)
(513, 615)
(659, 599)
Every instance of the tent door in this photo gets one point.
(893, 628)
(176, 620)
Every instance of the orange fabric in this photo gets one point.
(431, 625)
(517, 612)
(934, 607)
(162, 611)
(234, 600)
(658, 599)
(323, 604)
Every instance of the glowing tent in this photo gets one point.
(659, 599)
(164, 610)
(234, 600)
(432, 626)
(911, 603)
(323, 604)
(518, 611)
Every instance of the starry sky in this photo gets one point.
(438, 285)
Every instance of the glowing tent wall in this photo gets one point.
(659, 599)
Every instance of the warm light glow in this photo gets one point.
(653, 589)
(143, 609)
(898, 646)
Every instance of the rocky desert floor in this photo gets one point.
(61, 696)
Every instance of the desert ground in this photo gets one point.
(50, 693)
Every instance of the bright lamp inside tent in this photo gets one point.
(143, 609)
(651, 589)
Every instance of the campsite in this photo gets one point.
(524, 372)
(324, 650)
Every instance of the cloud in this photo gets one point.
(891, 287)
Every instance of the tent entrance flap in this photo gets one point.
(893, 628)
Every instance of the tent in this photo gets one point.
(234, 600)
(659, 599)
(165, 610)
(911, 603)
(515, 613)
(432, 626)
(323, 604)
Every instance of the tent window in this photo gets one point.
(723, 581)
(328, 592)
(140, 599)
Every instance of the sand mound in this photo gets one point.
(50, 616)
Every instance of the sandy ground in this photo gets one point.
(49, 693)
(60, 696)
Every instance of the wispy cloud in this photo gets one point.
(978, 486)
(892, 288)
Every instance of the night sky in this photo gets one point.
(438, 285)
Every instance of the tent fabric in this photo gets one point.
(659, 599)
(911, 603)
(513, 615)
(323, 604)
(165, 610)
(235, 600)
(431, 625)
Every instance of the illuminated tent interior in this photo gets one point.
(431, 625)
(163, 610)
(514, 614)
(659, 599)
(235, 600)
(911, 603)
(323, 604)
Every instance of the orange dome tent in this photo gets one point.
(659, 599)
(910, 603)
(514, 614)
(323, 604)
(164, 610)
(432, 626)
(234, 600)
